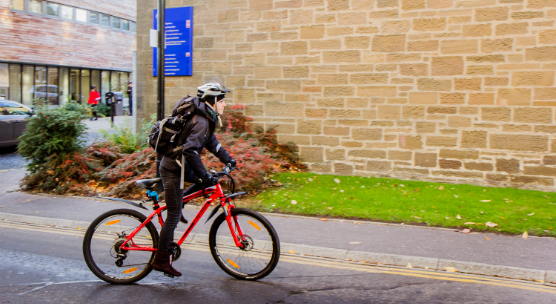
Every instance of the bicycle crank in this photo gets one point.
(175, 250)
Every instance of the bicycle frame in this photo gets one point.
(215, 194)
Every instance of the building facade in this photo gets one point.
(443, 90)
(55, 50)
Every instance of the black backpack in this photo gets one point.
(165, 133)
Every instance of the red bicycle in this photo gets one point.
(119, 246)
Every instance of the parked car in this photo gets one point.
(13, 119)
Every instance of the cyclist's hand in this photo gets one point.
(232, 164)
(209, 180)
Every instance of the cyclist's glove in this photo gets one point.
(232, 163)
(208, 181)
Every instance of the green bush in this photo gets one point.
(128, 142)
(103, 110)
(52, 132)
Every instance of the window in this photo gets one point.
(116, 22)
(93, 17)
(132, 27)
(35, 6)
(125, 25)
(15, 82)
(104, 20)
(64, 86)
(67, 12)
(80, 15)
(52, 9)
(17, 4)
(53, 88)
(28, 83)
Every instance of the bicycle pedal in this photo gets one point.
(168, 275)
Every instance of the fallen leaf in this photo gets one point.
(491, 224)
(330, 208)
(466, 231)
(525, 235)
(502, 217)
(324, 219)
(337, 181)
(458, 217)
(479, 224)
(487, 238)
(417, 217)
(342, 191)
(409, 265)
(469, 223)
(354, 243)
(291, 252)
(485, 201)
(450, 269)
(294, 202)
(531, 214)
(441, 188)
(455, 196)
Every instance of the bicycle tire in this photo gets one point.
(274, 255)
(89, 236)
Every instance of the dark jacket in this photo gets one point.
(197, 134)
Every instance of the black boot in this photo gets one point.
(162, 263)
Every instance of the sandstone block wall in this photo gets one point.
(432, 89)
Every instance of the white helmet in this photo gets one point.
(212, 89)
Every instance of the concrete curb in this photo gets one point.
(382, 259)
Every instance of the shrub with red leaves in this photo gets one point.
(102, 167)
(63, 173)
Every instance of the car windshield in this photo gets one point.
(13, 108)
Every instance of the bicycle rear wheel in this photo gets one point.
(261, 250)
(102, 252)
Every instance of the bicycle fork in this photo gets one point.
(233, 224)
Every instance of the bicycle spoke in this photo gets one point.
(251, 259)
(106, 257)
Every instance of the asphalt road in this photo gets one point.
(45, 265)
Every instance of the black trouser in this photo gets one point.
(130, 106)
(173, 196)
(93, 108)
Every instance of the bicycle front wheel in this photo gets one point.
(260, 252)
(102, 242)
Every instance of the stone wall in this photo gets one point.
(447, 90)
(38, 39)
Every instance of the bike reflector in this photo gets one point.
(233, 264)
(112, 222)
(254, 225)
(130, 270)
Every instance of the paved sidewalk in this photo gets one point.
(376, 242)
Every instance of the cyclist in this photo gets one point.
(197, 134)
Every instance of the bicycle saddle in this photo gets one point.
(147, 183)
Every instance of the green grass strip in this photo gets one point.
(413, 202)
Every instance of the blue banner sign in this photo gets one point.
(179, 42)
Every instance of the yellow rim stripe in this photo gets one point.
(112, 222)
(254, 225)
(233, 264)
(130, 270)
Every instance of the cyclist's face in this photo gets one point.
(220, 105)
